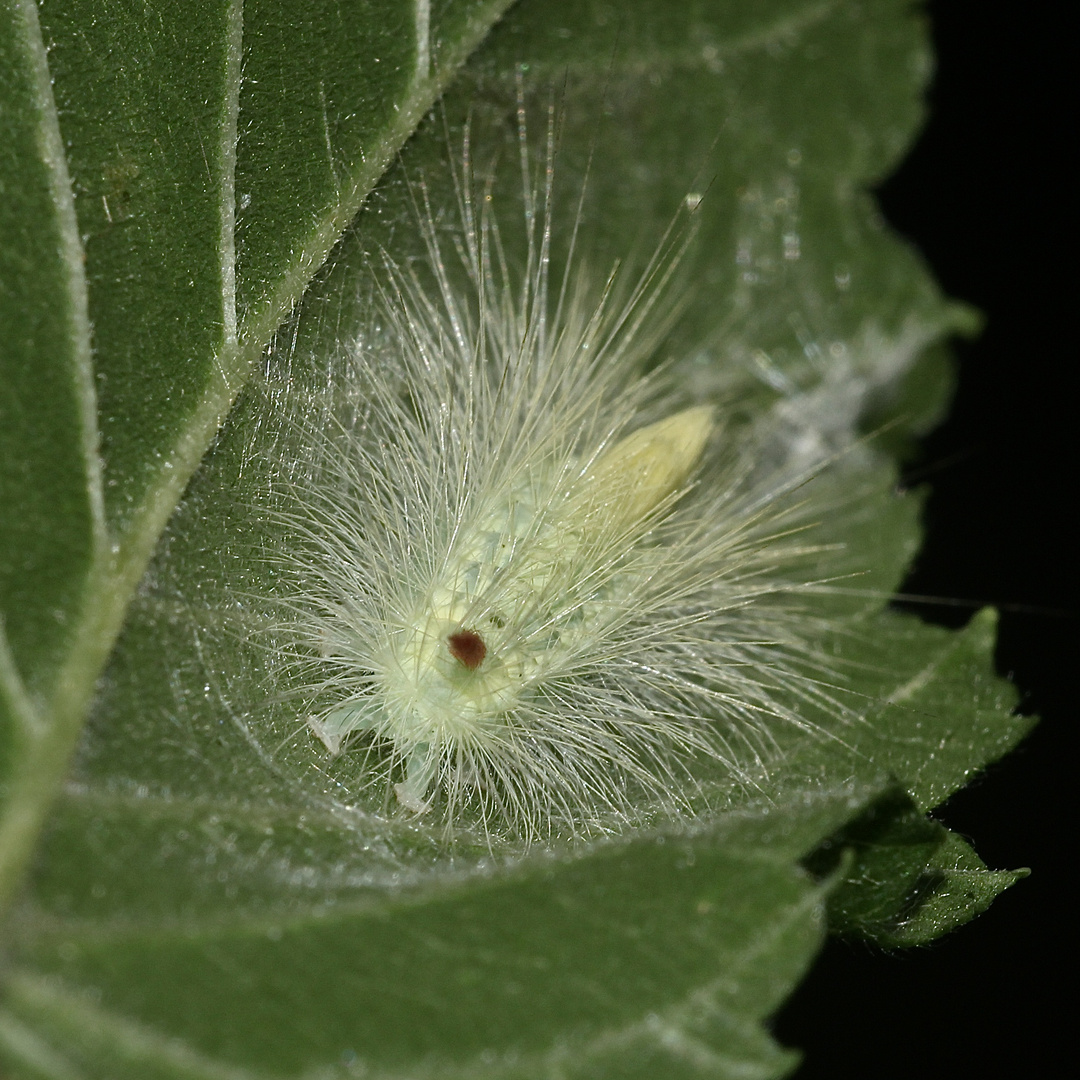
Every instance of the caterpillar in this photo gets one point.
(524, 585)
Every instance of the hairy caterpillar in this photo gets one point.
(524, 583)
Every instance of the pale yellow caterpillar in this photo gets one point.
(477, 643)
(529, 588)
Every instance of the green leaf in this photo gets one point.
(905, 880)
(660, 953)
(933, 715)
(202, 905)
(120, 259)
(887, 848)
(48, 434)
(147, 104)
(327, 99)
(931, 712)
(52, 530)
(955, 887)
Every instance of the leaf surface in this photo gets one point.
(119, 251)
(204, 902)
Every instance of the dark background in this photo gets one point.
(986, 196)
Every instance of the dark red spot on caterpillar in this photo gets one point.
(468, 647)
